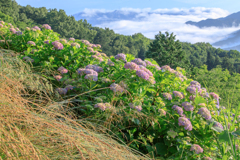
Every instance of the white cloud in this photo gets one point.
(173, 20)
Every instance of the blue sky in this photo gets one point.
(75, 6)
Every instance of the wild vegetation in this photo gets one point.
(156, 111)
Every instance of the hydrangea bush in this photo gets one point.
(162, 113)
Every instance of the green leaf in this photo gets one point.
(181, 134)
(224, 136)
(161, 148)
(236, 134)
(199, 99)
(218, 129)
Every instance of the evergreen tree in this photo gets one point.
(210, 60)
(166, 51)
(141, 53)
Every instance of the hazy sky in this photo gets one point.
(75, 6)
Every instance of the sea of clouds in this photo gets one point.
(128, 21)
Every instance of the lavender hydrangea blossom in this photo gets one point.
(178, 94)
(167, 96)
(178, 109)
(46, 26)
(57, 45)
(187, 106)
(116, 88)
(58, 77)
(121, 56)
(90, 71)
(196, 148)
(69, 87)
(71, 39)
(139, 62)
(205, 113)
(91, 77)
(36, 28)
(132, 66)
(31, 43)
(182, 121)
(142, 74)
(62, 70)
(101, 106)
(217, 124)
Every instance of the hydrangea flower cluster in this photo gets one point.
(178, 94)
(19, 33)
(214, 95)
(196, 148)
(31, 43)
(192, 97)
(95, 68)
(62, 70)
(142, 74)
(167, 96)
(36, 28)
(62, 91)
(132, 66)
(187, 106)
(103, 106)
(75, 44)
(139, 62)
(46, 26)
(121, 56)
(116, 88)
(138, 108)
(217, 124)
(71, 39)
(62, 40)
(58, 77)
(205, 113)
(162, 112)
(13, 30)
(57, 45)
(178, 109)
(182, 121)
(46, 42)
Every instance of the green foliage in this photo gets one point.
(166, 51)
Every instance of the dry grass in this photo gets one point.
(33, 126)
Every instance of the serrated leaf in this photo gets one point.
(218, 129)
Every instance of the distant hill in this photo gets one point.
(232, 20)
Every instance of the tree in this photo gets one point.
(210, 60)
(166, 51)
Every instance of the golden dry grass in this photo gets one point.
(33, 126)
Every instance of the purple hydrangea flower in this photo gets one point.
(167, 96)
(31, 43)
(81, 71)
(121, 56)
(139, 62)
(166, 68)
(142, 74)
(178, 94)
(90, 71)
(138, 108)
(191, 89)
(195, 83)
(148, 63)
(205, 113)
(147, 70)
(217, 124)
(61, 90)
(13, 30)
(91, 77)
(192, 97)
(98, 45)
(57, 45)
(187, 106)
(178, 109)
(75, 44)
(182, 121)
(46, 42)
(196, 148)
(46, 26)
(94, 67)
(62, 70)
(157, 67)
(162, 112)
(131, 105)
(131, 65)
(214, 95)
(71, 39)
(116, 88)
(202, 104)
(37, 28)
(69, 87)
(101, 106)
(58, 77)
